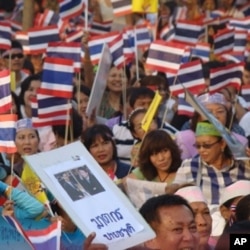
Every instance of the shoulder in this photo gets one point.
(122, 170)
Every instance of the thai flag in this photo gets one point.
(142, 35)
(70, 8)
(116, 50)
(202, 51)
(49, 121)
(240, 40)
(40, 37)
(240, 23)
(5, 35)
(223, 41)
(246, 9)
(235, 57)
(229, 75)
(66, 50)
(17, 10)
(167, 33)
(128, 43)
(217, 13)
(75, 36)
(100, 28)
(57, 77)
(184, 108)
(48, 238)
(190, 76)
(15, 224)
(15, 26)
(165, 56)
(5, 95)
(23, 38)
(49, 17)
(245, 93)
(188, 32)
(121, 7)
(8, 133)
(96, 44)
(187, 55)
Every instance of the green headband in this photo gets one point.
(204, 128)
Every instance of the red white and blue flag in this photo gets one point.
(66, 50)
(190, 76)
(167, 33)
(74, 36)
(202, 51)
(165, 56)
(121, 7)
(188, 32)
(184, 108)
(128, 43)
(48, 238)
(240, 40)
(142, 35)
(23, 38)
(240, 23)
(50, 120)
(235, 57)
(96, 44)
(40, 37)
(223, 41)
(15, 26)
(70, 8)
(116, 50)
(5, 35)
(229, 75)
(5, 95)
(57, 77)
(100, 28)
(8, 133)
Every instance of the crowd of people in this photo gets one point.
(207, 188)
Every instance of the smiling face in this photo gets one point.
(102, 150)
(176, 229)
(203, 221)
(27, 142)
(31, 92)
(115, 79)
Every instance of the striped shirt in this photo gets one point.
(211, 180)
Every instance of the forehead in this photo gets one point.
(173, 215)
(26, 131)
(205, 138)
(198, 205)
(214, 106)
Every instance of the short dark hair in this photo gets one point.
(242, 211)
(140, 92)
(83, 89)
(91, 133)
(150, 209)
(247, 66)
(154, 142)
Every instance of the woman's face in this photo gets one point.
(115, 80)
(209, 148)
(102, 150)
(31, 92)
(219, 111)
(27, 142)
(203, 221)
(162, 160)
(82, 103)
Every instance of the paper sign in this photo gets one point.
(99, 84)
(85, 191)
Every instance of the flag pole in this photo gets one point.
(124, 92)
(67, 126)
(86, 15)
(136, 56)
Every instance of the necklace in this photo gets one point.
(164, 179)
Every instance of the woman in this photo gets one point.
(203, 219)
(218, 106)
(111, 99)
(214, 167)
(98, 140)
(159, 158)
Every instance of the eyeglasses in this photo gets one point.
(205, 145)
(13, 56)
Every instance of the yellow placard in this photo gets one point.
(146, 6)
(147, 119)
(13, 81)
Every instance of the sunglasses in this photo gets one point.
(205, 145)
(13, 56)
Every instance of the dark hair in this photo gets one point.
(26, 84)
(27, 65)
(90, 134)
(16, 45)
(154, 142)
(77, 125)
(242, 211)
(83, 89)
(150, 209)
(140, 92)
(247, 66)
(16, 101)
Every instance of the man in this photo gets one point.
(172, 219)
(14, 59)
